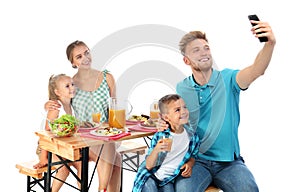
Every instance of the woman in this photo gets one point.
(93, 90)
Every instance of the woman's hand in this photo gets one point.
(52, 105)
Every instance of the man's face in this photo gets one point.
(198, 55)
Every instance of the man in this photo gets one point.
(212, 97)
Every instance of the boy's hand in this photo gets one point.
(161, 146)
(187, 168)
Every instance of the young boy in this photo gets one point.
(164, 166)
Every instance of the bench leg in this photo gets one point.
(28, 183)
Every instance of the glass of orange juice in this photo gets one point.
(96, 116)
(154, 110)
(169, 141)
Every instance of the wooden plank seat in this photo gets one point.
(130, 152)
(34, 176)
(212, 188)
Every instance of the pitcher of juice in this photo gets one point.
(118, 109)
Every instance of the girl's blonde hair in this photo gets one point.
(53, 85)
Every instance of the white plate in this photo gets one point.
(105, 133)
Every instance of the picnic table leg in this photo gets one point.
(84, 171)
(48, 175)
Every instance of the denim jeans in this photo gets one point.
(151, 185)
(228, 176)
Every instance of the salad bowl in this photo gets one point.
(64, 126)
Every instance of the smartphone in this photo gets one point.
(255, 18)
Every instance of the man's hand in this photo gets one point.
(161, 125)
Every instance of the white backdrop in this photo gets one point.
(34, 35)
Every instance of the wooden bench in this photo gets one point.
(130, 152)
(34, 176)
(213, 189)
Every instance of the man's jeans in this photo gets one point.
(228, 176)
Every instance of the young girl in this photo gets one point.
(94, 88)
(168, 162)
(61, 89)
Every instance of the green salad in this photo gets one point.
(66, 125)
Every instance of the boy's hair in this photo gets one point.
(165, 100)
(53, 85)
(189, 37)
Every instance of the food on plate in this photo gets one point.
(149, 123)
(108, 131)
(66, 125)
(138, 118)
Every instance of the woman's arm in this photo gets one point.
(51, 115)
(111, 84)
(52, 105)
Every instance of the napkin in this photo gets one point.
(142, 129)
(85, 130)
(128, 122)
(104, 138)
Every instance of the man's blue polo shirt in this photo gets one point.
(214, 113)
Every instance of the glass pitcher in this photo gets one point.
(118, 110)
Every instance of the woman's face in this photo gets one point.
(82, 57)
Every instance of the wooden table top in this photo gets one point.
(69, 147)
